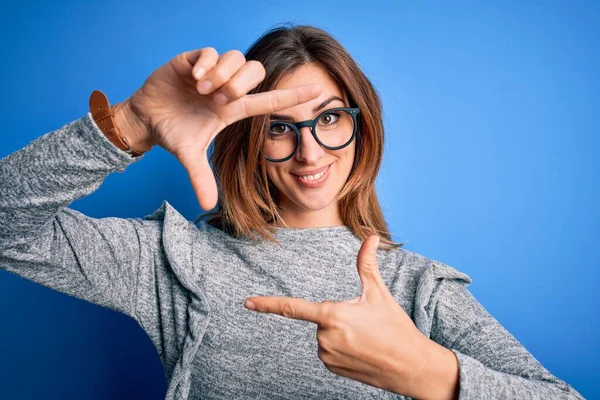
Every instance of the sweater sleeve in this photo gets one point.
(42, 240)
(492, 363)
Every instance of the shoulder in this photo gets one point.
(426, 277)
(183, 241)
(175, 223)
(180, 233)
(414, 266)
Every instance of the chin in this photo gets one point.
(313, 205)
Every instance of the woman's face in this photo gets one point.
(306, 199)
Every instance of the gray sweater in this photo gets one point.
(186, 285)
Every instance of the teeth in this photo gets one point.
(315, 176)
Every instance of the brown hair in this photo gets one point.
(247, 197)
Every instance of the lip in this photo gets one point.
(314, 183)
(311, 172)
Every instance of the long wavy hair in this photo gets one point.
(247, 205)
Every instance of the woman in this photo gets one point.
(298, 144)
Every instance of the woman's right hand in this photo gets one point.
(175, 110)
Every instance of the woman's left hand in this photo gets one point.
(369, 338)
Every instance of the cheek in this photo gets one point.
(271, 175)
(347, 160)
(276, 174)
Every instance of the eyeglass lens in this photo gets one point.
(333, 129)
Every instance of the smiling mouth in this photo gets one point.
(313, 180)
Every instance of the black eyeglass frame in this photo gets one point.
(312, 123)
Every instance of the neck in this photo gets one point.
(303, 218)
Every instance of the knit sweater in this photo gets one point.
(185, 285)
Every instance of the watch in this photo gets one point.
(104, 117)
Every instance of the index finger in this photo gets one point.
(289, 307)
(279, 99)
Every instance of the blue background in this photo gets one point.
(492, 122)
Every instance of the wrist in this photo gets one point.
(137, 134)
(438, 378)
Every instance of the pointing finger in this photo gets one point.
(275, 100)
(288, 307)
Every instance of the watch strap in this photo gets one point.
(103, 115)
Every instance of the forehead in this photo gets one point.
(311, 73)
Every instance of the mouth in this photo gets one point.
(314, 180)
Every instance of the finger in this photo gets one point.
(275, 100)
(366, 263)
(229, 63)
(204, 60)
(188, 61)
(244, 80)
(288, 307)
(201, 177)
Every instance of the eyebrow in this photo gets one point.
(287, 118)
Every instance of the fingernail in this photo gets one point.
(220, 98)
(205, 86)
(250, 304)
(199, 73)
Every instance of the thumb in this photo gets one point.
(201, 177)
(366, 263)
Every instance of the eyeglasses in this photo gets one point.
(333, 129)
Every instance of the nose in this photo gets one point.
(309, 150)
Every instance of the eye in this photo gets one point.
(279, 129)
(330, 118)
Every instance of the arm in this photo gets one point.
(491, 362)
(42, 240)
